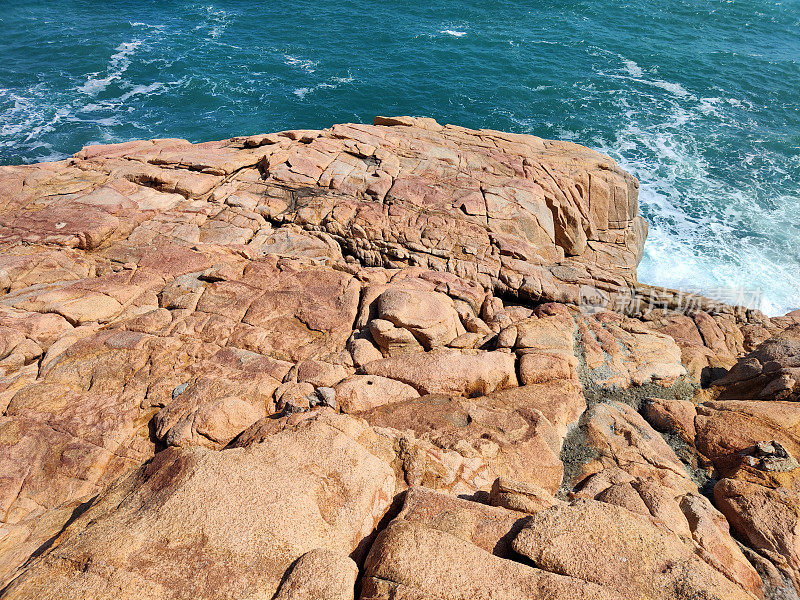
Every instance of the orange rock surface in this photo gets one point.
(385, 360)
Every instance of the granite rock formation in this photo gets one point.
(393, 361)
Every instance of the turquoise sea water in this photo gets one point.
(700, 99)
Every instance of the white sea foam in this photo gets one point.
(146, 25)
(632, 68)
(216, 21)
(340, 80)
(142, 90)
(672, 87)
(710, 106)
(11, 124)
(453, 32)
(305, 64)
(28, 118)
(118, 63)
(25, 122)
(707, 234)
(633, 72)
(329, 84)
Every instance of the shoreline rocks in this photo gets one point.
(390, 360)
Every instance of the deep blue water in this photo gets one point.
(700, 99)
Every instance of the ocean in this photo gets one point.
(700, 99)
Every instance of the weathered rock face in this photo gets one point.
(236, 369)
(409, 560)
(471, 374)
(629, 553)
(322, 575)
(621, 440)
(490, 528)
(750, 439)
(504, 210)
(244, 514)
(770, 372)
(506, 439)
(764, 509)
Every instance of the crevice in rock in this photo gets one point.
(777, 585)
(157, 184)
(575, 452)
(702, 478)
(77, 512)
(359, 555)
(634, 396)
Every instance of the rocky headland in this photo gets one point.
(395, 361)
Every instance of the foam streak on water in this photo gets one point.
(697, 99)
(117, 65)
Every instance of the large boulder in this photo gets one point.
(560, 401)
(765, 512)
(770, 372)
(488, 527)
(727, 429)
(320, 574)
(510, 440)
(409, 560)
(429, 316)
(630, 465)
(244, 514)
(615, 436)
(621, 352)
(627, 552)
(450, 371)
(362, 392)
